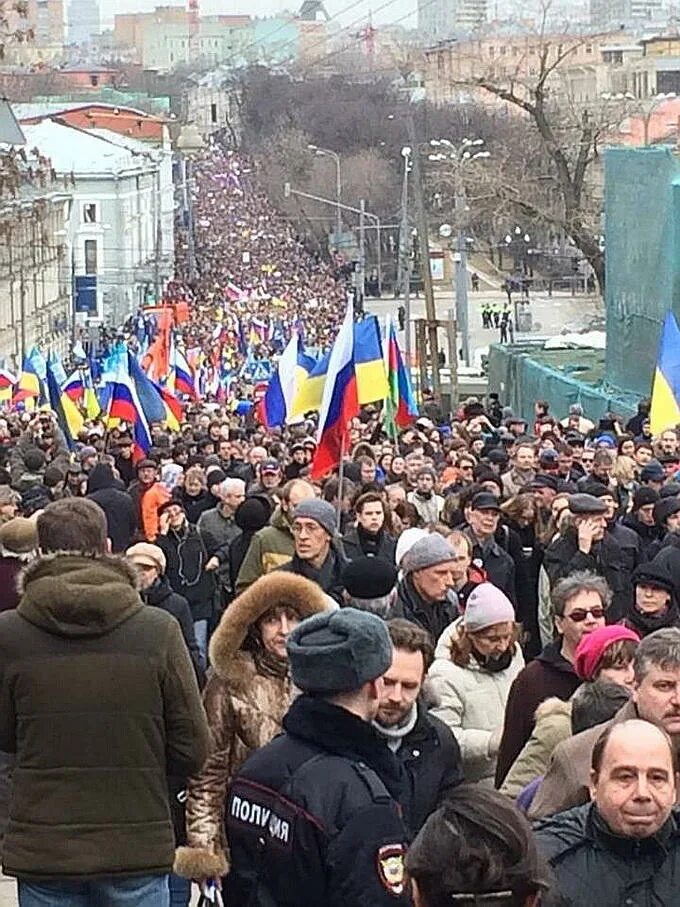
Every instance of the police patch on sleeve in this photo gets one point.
(391, 868)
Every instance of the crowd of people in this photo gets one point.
(449, 674)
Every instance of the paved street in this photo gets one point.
(550, 314)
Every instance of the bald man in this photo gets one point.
(624, 846)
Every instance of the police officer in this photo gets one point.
(312, 818)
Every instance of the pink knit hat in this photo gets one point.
(592, 647)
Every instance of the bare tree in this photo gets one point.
(547, 178)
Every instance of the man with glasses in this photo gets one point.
(316, 557)
(579, 605)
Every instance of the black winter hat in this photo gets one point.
(652, 574)
(645, 495)
(664, 508)
(669, 490)
(34, 459)
(369, 577)
(253, 513)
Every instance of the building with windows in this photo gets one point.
(439, 20)
(120, 231)
(625, 13)
(84, 21)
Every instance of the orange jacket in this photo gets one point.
(152, 499)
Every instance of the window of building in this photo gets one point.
(90, 213)
(589, 48)
(491, 50)
(94, 81)
(502, 50)
(90, 256)
(213, 113)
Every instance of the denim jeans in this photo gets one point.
(180, 891)
(201, 634)
(137, 891)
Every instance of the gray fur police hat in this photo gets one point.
(338, 651)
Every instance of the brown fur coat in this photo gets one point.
(245, 703)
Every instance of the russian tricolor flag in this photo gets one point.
(184, 377)
(74, 387)
(340, 402)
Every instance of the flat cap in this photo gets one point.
(581, 504)
(338, 651)
(484, 500)
(147, 555)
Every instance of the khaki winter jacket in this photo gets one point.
(472, 704)
(553, 725)
(245, 700)
(270, 548)
(99, 702)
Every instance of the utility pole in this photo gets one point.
(424, 242)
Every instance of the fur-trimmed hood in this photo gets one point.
(76, 595)
(275, 590)
(553, 706)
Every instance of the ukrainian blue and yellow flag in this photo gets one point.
(369, 362)
(665, 411)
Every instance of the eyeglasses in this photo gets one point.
(578, 615)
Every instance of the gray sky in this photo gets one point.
(356, 12)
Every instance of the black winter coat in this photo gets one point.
(160, 595)
(329, 576)
(434, 618)
(186, 557)
(194, 504)
(606, 558)
(498, 564)
(433, 766)
(648, 535)
(119, 508)
(357, 543)
(596, 868)
(312, 818)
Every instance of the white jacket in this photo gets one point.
(471, 701)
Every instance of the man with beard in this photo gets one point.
(369, 538)
(522, 471)
(423, 744)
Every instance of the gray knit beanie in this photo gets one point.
(320, 511)
(427, 552)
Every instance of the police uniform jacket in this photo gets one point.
(312, 818)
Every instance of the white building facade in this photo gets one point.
(120, 230)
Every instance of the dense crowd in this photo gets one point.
(450, 674)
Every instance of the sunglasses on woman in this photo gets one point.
(578, 615)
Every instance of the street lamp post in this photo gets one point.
(188, 143)
(327, 152)
(461, 156)
(404, 281)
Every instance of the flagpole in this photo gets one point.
(341, 476)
